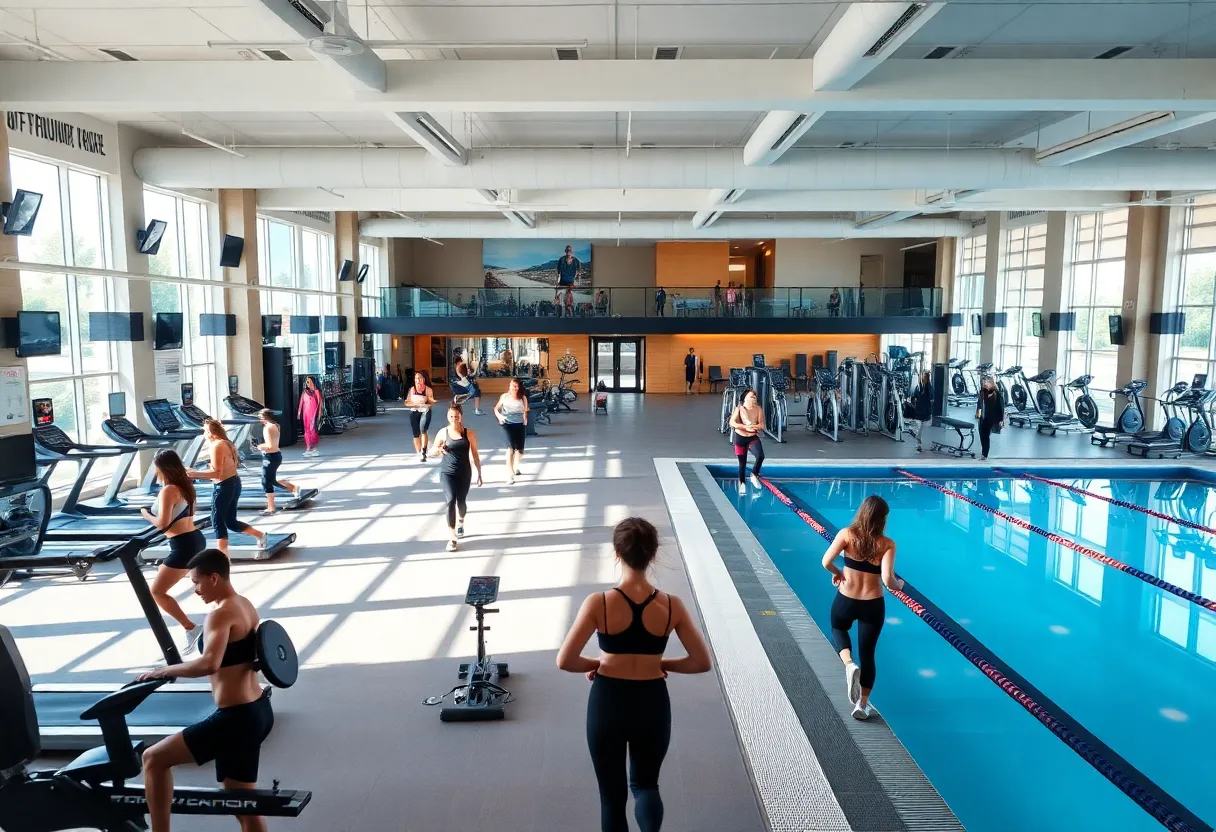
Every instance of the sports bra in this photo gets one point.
(635, 639)
(241, 652)
(863, 565)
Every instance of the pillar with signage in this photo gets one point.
(350, 294)
(239, 218)
(14, 385)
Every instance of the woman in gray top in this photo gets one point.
(512, 413)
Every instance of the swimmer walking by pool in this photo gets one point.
(512, 413)
(868, 554)
(419, 399)
(747, 421)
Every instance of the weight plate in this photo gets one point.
(1046, 401)
(1087, 411)
(1018, 393)
(277, 655)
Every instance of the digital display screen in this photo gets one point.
(187, 395)
(758, 359)
(38, 333)
(118, 405)
(44, 412)
(1200, 381)
(19, 220)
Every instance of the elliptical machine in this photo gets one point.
(823, 407)
(961, 394)
(855, 395)
(1012, 373)
(885, 411)
(1130, 421)
(1080, 412)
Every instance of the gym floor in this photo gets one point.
(373, 603)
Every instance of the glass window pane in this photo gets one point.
(63, 394)
(1200, 278)
(45, 245)
(166, 261)
(1195, 341)
(1202, 237)
(92, 296)
(1109, 283)
(194, 226)
(84, 198)
(310, 267)
(279, 249)
(96, 409)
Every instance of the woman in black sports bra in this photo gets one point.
(868, 554)
(629, 709)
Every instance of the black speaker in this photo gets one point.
(344, 271)
(977, 324)
(831, 359)
(1115, 322)
(939, 392)
(363, 385)
(996, 320)
(278, 374)
(816, 362)
(335, 356)
(1062, 321)
(1167, 323)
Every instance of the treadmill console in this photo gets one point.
(51, 438)
(242, 405)
(160, 414)
(193, 414)
(1199, 381)
(124, 430)
(482, 590)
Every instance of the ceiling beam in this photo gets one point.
(364, 67)
(434, 138)
(1085, 135)
(1187, 86)
(523, 219)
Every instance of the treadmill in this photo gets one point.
(167, 711)
(1196, 439)
(240, 546)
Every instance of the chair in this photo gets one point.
(715, 378)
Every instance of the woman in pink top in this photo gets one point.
(310, 415)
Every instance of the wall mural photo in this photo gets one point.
(529, 264)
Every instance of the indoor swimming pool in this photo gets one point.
(1053, 628)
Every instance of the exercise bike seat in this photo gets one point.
(95, 765)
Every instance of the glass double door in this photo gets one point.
(618, 364)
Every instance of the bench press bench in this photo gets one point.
(966, 438)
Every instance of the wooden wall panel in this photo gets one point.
(665, 353)
(691, 264)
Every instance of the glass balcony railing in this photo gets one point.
(642, 302)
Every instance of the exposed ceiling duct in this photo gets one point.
(777, 132)
(1123, 134)
(864, 37)
(719, 198)
(332, 40)
(424, 129)
(1131, 169)
(640, 229)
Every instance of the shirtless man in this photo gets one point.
(233, 735)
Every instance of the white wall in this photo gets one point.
(833, 263)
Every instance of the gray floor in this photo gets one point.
(373, 603)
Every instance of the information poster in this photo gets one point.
(168, 374)
(14, 396)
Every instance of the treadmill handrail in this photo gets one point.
(78, 451)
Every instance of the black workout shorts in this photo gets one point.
(183, 547)
(515, 435)
(232, 737)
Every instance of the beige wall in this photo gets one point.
(624, 266)
(835, 262)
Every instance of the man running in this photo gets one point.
(233, 735)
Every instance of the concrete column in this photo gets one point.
(136, 365)
(10, 282)
(350, 293)
(993, 261)
(1051, 355)
(238, 212)
(1144, 279)
(944, 273)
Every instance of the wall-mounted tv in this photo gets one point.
(1036, 324)
(231, 251)
(148, 240)
(272, 327)
(977, 324)
(19, 215)
(38, 333)
(1115, 323)
(167, 330)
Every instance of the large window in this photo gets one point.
(184, 253)
(1192, 293)
(371, 289)
(968, 296)
(1020, 296)
(71, 231)
(298, 257)
(1093, 291)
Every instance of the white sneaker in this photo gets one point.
(192, 637)
(451, 545)
(756, 481)
(852, 682)
(511, 480)
(460, 530)
(861, 713)
(478, 413)
(742, 488)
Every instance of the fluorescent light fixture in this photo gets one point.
(736, 267)
(885, 218)
(413, 44)
(210, 143)
(1132, 131)
(919, 245)
(433, 240)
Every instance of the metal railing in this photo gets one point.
(643, 302)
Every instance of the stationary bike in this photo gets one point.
(823, 406)
(480, 698)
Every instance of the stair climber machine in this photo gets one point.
(770, 384)
(1042, 404)
(1005, 390)
(963, 392)
(886, 410)
(823, 405)
(855, 393)
(1192, 406)
(1131, 418)
(164, 419)
(194, 416)
(479, 696)
(1080, 412)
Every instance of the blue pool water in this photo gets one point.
(1133, 664)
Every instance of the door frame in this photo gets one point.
(639, 370)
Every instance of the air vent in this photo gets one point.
(119, 55)
(303, 9)
(667, 53)
(790, 130)
(276, 55)
(424, 127)
(1113, 53)
(566, 54)
(940, 52)
(322, 216)
(904, 19)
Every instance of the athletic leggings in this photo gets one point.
(753, 444)
(420, 422)
(869, 616)
(270, 471)
(456, 491)
(623, 714)
(223, 508)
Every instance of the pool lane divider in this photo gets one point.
(1178, 521)
(1102, 758)
(1093, 554)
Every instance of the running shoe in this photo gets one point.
(511, 481)
(478, 413)
(460, 530)
(517, 473)
(852, 682)
(742, 488)
(192, 637)
(862, 713)
(756, 481)
(269, 512)
(263, 542)
(451, 545)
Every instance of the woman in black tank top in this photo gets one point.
(629, 711)
(868, 555)
(459, 447)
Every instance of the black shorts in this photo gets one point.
(232, 737)
(183, 547)
(515, 436)
(420, 422)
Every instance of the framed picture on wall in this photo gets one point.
(528, 264)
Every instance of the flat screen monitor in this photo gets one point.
(1036, 324)
(187, 394)
(977, 325)
(149, 239)
(167, 330)
(21, 213)
(1115, 322)
(234, 384)
(118, 405)
(44, 412)
(758, 359)
(231, 251)
(38, 333)
(362, 273)
(272, 327)
(17, 458)
(1200, 381)
(344, 271)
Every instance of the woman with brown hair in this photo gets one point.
(512, 413)
(223, 472)
(174, 513)
(628, 710)
(868, 554)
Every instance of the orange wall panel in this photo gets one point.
(665, 353)
(691, 264)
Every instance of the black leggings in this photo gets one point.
(270, 471)
(622, 715)
(420, 423)
(869, 616)
(456, 491)
(985, 438)
(757, 449)
(223, 508)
